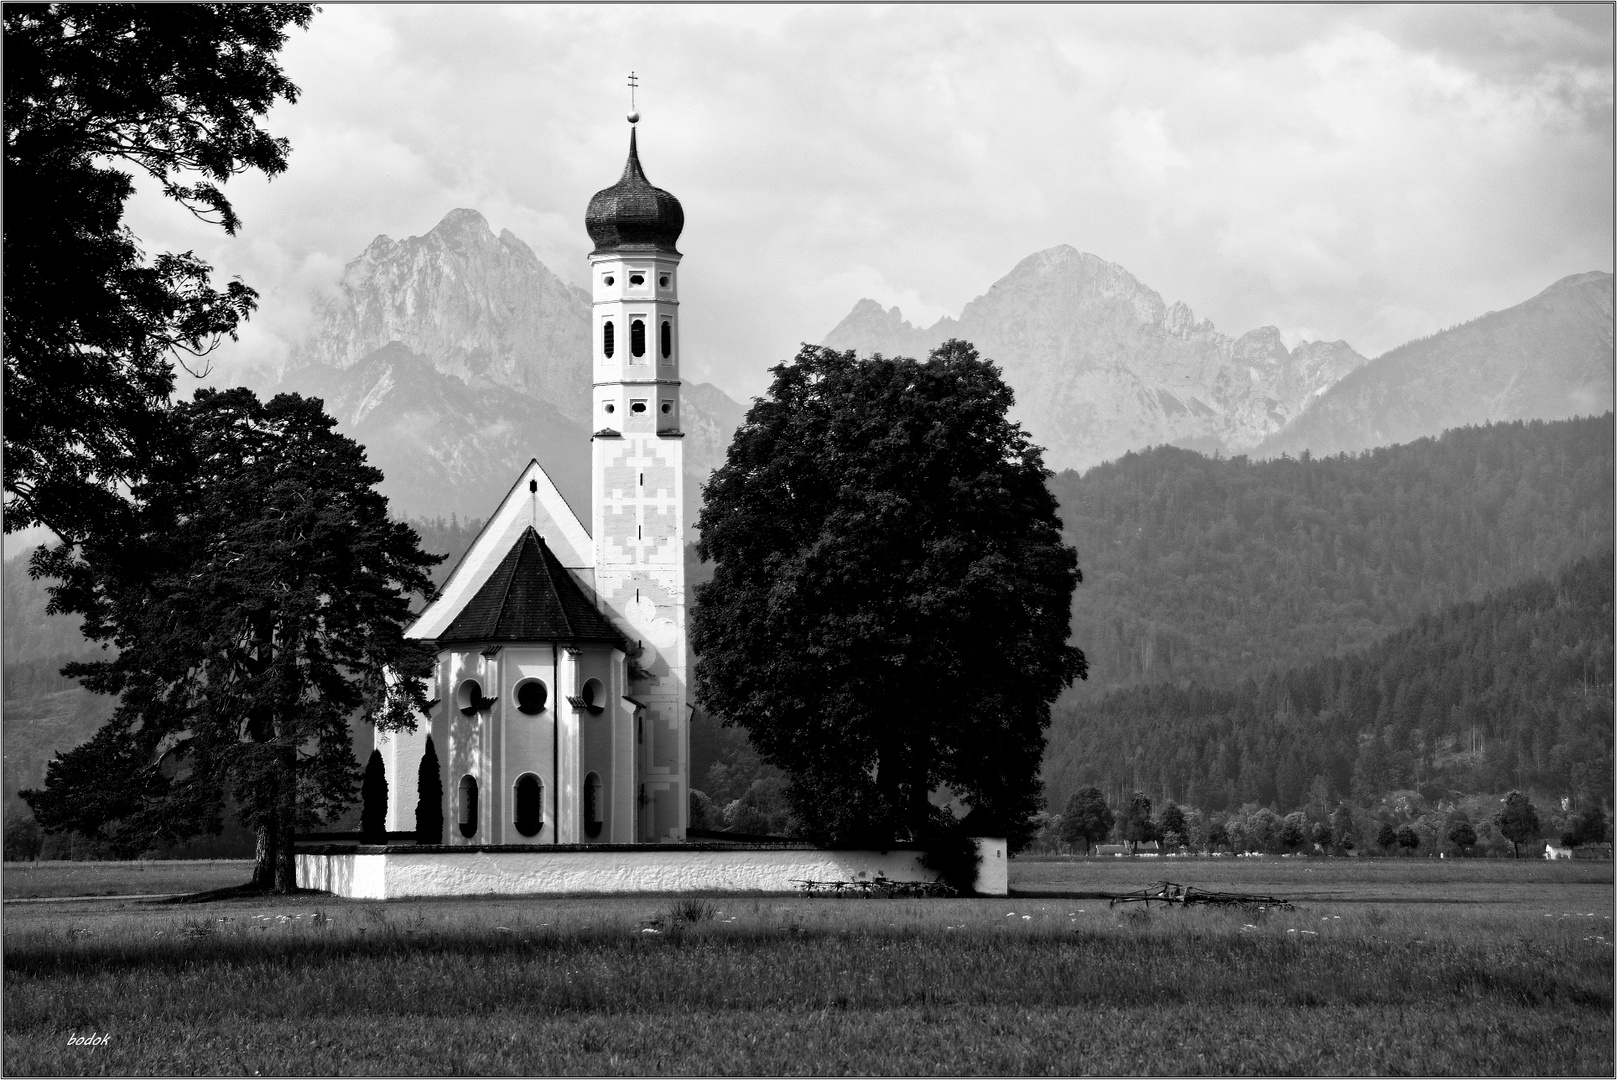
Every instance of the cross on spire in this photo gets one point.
(634, 114)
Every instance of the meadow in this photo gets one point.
(1395, 966)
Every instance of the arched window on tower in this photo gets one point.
(468, 806)
(668, 339)
(608, 344)
(530, 814)
(637, 337)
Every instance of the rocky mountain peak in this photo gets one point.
(480, 307)
(1102, 365)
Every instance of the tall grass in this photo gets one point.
(810, 986)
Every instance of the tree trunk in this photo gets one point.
(264, 855)
(286, 867)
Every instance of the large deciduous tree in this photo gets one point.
(92, 326)
(258, 598)
(1517, 821)
(888, 613)
(1087, 818)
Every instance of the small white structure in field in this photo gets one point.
(1552, 850)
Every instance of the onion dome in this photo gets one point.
(631, 215)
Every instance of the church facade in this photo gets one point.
(560, 712)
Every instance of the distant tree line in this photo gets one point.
(1403, 825)
(1514, 691)
(1216, 570)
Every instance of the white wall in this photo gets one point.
(383, 876)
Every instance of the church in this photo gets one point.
(559, 710)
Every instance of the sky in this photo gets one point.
(1363, 173)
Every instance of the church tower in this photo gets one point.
(638, 476)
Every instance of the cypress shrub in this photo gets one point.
(373, 802)
(429, 808)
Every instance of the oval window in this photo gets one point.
(592, 805)
(530, 815)
(469, 699)
(637, 408)
(663, 281)
(637, 279)
(531, 697)
(608, 338)
(468, 806)
(637, 337)
(668, 339)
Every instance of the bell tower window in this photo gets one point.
(608, 339)
(667, 339)
(637, 337)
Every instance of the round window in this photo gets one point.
(668, 407)
(593, 695)
(663, 281)
(611, 408)
(610, 279)
(531, 697)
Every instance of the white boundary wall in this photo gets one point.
(388, 875)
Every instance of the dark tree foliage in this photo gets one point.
(1136, 825)
(1087, 818)
(91, 326)
(1342, 828)
(1461, 833)
(889, 604)
(1479, 697)
(257, 601)
(1217, 570)
(1292, 834)
(1588, 827)
(429, 807)
(1173, 820)
(373, 801)
(1517, 821)
(1386, 835)
(1408, 838)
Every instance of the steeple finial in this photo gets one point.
(634, 114)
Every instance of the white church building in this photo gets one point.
(560, 711)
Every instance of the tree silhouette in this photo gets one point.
(889, 605)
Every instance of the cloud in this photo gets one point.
(1370, 173)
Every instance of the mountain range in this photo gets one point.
(1101, 365)
(456, 356)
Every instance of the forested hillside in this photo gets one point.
(1212, 570)
(1511, 691)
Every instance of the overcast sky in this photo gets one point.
(1365, 173)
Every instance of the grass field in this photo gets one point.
(1398, 966)
(33, 880)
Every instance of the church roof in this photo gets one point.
(631, 215)
(530, 596)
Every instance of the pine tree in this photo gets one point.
(373, 798)
(257, 593)
(429, 808)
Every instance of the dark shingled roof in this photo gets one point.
(530, 597)
(632, 215)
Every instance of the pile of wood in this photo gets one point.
(1168, 892)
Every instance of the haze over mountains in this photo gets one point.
(1101, 365)
(456, 356)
